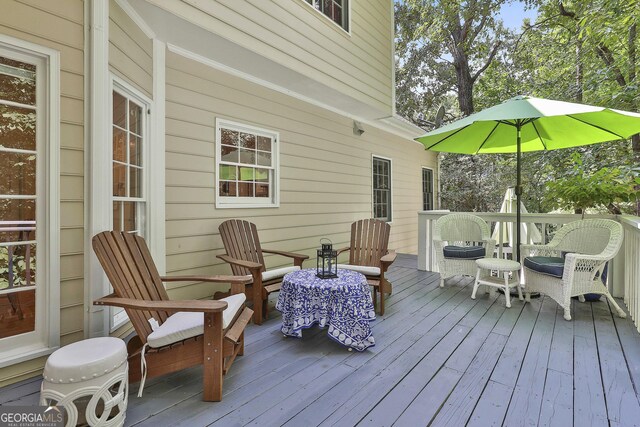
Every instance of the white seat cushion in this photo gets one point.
(187, 324)
(278, 272)
(367, 271)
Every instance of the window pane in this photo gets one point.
(17, 81)
(135, 150)
(246, 174)
(248, 141)
(229, 137)
(17, 127)
(262, 175)
(227, 189)
(17, 210)
(135, 182)
(129, 216)
(247, 156)
(117, 216)
(264, 159)
(119, 180)
(18, 173)
(245, 189)
(262, 190)
(119, 110)
(135, 118)
(228, 172)
(119, 145)
(229, 154)
(264, 143)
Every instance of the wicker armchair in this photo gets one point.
(573, 262)
(467, 235)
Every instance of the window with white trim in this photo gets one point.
(127, 163)
(427, 189)
(129, 198)
(336, 10)
(28, 130)
(246, 166)
(382, 189)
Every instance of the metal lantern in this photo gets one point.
(327, 267)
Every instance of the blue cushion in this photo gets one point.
(464, 252)
(552, 266)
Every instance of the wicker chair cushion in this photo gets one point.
(552, 266)
(464, 252)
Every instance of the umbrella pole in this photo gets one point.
(518, 189)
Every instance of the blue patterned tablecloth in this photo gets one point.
(343, 304)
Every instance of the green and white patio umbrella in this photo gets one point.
(525, 123)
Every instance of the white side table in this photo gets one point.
(93, 372)
(504, 281)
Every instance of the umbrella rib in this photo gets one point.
(597, 127)
(488, 136)
(533, 123)
(445, 138)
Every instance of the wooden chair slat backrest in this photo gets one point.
(369, 242)
(132, 273)
(240, 239)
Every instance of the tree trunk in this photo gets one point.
(464, 82)
(579, 72)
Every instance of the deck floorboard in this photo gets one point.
(440, 359)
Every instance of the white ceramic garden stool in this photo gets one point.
(92, 372)
(508, 276)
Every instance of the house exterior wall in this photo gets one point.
(291, 32)
(130, 51)
(60, 25)
(325, 172)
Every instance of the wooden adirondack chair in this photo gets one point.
(369, 255)
(171, 335)
(244, 254)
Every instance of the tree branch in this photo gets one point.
(607, 57)
(493, 53)
(565, 12)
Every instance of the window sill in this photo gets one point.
(32, 352)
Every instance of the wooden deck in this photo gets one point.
(440, 359)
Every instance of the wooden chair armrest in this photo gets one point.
(287, 254)
(210, 306)
(216, 279)
(247, 264)
(387, 260)
(339, 251)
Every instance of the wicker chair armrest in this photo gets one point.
(206, 306)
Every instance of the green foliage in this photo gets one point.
(585, 51)
(580, 189)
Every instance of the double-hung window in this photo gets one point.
(427, 189)
(336, 10)
(129, 143)
(382, 189)
(127, 163)
(246, 166)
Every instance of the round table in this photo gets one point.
(510, 277)
(344, 304)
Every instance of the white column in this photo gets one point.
(98, 162)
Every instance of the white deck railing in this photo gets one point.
(624, 272)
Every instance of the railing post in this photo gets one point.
(424, 240)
